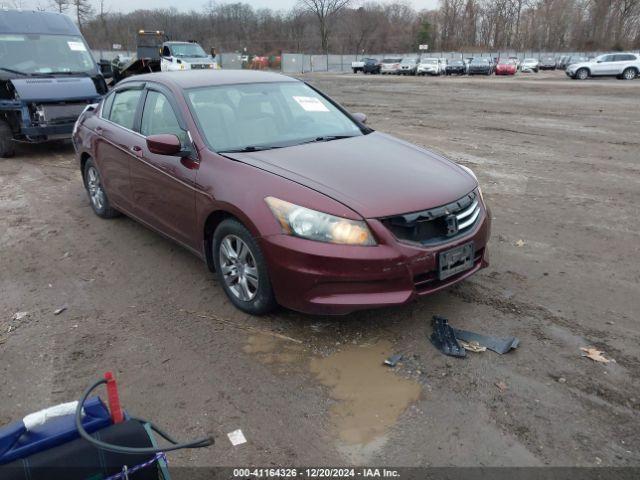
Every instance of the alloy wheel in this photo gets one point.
(96, 193)
(629, 74)
(238, 267)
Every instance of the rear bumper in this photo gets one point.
(320, 278)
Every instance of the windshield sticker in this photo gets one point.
(77, 46)
(311, 104)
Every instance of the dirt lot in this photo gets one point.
(558, 161)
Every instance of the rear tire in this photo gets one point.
(97, 196)
(7, 147)
(242, 269)
(629, 73)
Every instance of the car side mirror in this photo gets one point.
(360, 117)
(164, 144)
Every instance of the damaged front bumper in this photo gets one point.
(40, 122)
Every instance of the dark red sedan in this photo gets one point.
(284, 194)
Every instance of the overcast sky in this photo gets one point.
(129, 5)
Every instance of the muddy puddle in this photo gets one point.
(369, 397)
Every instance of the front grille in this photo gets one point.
(199, 66)
(438, 224)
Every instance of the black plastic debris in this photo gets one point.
(444, 339)
(393, 360)
(497, 344)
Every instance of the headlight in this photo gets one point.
(470, 172)
(307, 223)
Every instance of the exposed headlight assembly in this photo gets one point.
(306, 223)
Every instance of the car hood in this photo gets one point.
(34, 89)
(577, 65)
(375, 175)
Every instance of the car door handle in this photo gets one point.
(99, 130)
(136, 150)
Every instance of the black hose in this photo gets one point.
(204, 442)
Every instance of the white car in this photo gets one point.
(621, 65)
(530, 65)
(178, 56)
(431, 66)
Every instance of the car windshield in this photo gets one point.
(529, 60)
(410, 61)
(191, 50)
(370, 60)
(457, 63)
(480, 60)
(42, 54)
(391, 60)
(259, 116)
(430, 61)
(505, 62)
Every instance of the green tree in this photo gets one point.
(425, 32)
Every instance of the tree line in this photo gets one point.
(350, 27)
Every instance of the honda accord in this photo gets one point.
(285, 195)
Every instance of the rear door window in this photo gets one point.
(123, 109)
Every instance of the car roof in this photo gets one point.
(206, 78)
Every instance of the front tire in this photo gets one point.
(97, 196)
(7, 147)
(582, 74)
(242, 269)
(629, 73)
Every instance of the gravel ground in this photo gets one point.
(558, 161)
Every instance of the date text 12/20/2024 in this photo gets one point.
(315, 473)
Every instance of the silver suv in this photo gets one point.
(622, 65)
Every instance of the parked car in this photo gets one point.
(371, 65)
(408, 66)
(547, 62)
(530, 65)
(621, 65)
(287, 196)
(481, 66)
(431, 66)
(457, 67)
(390, 65)
(47, 77)
(506, 66)
(562, 62)
(359, 65)
(517, 61)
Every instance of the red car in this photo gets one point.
(506, 67)
(285, 195)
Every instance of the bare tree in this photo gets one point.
(325, 11)
(60, 5)
(83, 10)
